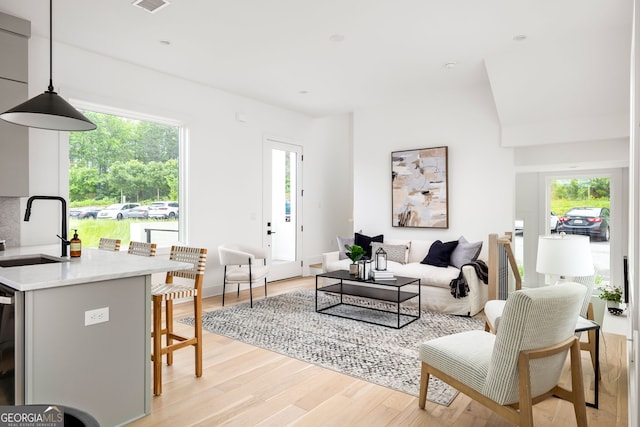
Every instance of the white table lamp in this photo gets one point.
(564, 255)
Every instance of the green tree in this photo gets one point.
(171, 177)
(124, 157)
(83, 183)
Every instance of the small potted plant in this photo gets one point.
(613, 296)
(355, 254)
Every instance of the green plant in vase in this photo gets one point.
(355, 254)
(613, 296)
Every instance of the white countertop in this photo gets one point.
(94, 265)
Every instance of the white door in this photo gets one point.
(282, 188)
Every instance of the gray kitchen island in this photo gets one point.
(82, 329)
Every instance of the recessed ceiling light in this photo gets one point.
(165, 42)
(337, 38)
(303, 92)
(449, 65)
(520, 37)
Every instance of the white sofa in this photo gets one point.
(435, 281)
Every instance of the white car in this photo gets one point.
(553, 222)
(117, 211)
(164, 210)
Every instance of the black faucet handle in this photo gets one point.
(63, 239)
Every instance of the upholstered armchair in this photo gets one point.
(493, 312)
(242, 265)
(519, 366)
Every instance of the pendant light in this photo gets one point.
(48, 110)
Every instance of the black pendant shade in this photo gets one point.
(48, 110)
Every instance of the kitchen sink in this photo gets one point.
(21, 261)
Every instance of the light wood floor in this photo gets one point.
(244, 385)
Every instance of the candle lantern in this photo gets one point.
(364, 269)
(381, 260)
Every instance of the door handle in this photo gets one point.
(269, 232)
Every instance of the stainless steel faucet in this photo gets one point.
(27, 214)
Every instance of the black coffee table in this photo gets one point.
(380, 290)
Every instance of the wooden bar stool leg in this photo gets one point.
(198, 333)
(157, 346)
(169, 328)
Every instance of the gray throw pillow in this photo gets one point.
(341, 242)
(465, 252)
(397, 253)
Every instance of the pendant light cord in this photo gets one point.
(50, 88)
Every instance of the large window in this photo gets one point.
(577, 205)
(124, 180)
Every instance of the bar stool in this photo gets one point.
(142, 248)
(167, 292)
(109, 244)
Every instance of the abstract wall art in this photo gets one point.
(419, 188)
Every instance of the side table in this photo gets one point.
(584, 325)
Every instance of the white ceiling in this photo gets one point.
(575, 59)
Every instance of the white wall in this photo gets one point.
(634, 225)
(224, 155)
(481, 176)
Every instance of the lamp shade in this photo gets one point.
(564, 255)
(48, 111)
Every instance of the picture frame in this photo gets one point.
(420, 188)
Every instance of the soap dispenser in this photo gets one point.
(75, 245)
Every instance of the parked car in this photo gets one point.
(84, 212)
(139, 212)
(591, 221)
(164, 210)
(117, 211)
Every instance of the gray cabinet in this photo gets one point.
(14, 139)
(14, 48)
(14, 144)
(102, 368)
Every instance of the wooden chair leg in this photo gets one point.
(577, 386)
(157, 346)
(525, 402)
(169, 328)
(424, 385)
(197, 308)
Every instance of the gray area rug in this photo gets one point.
(288, 324)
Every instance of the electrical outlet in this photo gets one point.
(99, 315)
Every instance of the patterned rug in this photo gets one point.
(288, 324)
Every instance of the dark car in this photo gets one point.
(84, 212)
(590, 221)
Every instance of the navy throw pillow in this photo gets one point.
(440, 253)
(365, 242)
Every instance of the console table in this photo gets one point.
(389, 291)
